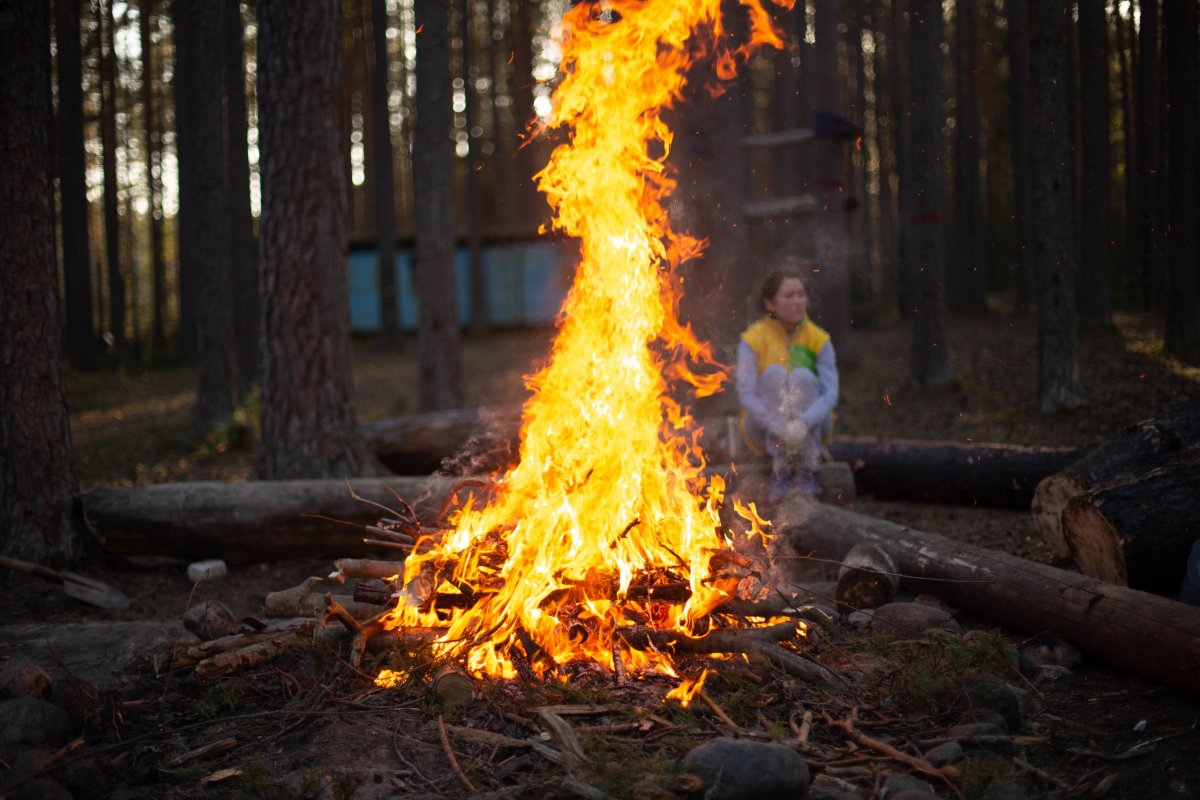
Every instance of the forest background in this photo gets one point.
(195, 173)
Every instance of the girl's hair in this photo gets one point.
(773, 281)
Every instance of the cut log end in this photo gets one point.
(1095, 545)
(1049, 500)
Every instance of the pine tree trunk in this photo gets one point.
(898, 46)
(77, 276)
(1183, 278)
(1059, 384)
(440, 379)
(1022, 150)
(187, 219)
(1095, 294)
(39, 516)
(385, 184)
(829, 227)
(243, 247)
(530, 207)
(970, 253)
(153, 145)
(478, 313)
(216, 344)
(1131, 223)
(930, 351)
(503, 130)
(1149, 103)
(108, 135)
(309, 428)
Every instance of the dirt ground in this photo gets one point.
(133, 428)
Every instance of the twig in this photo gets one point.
(716, 709)
(619, 665)
(449, 751)
(415, 770)
(945, 774)
(1041, 773)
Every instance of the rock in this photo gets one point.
(209, 620)
(737, 769)
(859, 619)
(26, 722)
(943, 754)
(975, 730)
(984, 716)
(994, 694)
(22, 678)
(43, 788)
(897, 782)
(210, 570)
(1004, 789)
(901, 619)
(84, 778)
(1047, 648)
(913, 794)
(821, 793)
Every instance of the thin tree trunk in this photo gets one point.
(385, 184)
(1059, 384)
(1149, 102)
(39, 513)
(1022, 150)
(530, 208)
(108, 135)
(503, 133)
(77, 275)
(243, 247)
(440, 378)
(902, 143)
(478, 315)
(1095, 297)
(829, 226)
(1132, 220)
(153, 143)
(1183, 278)
(309, 427)
(187, 218)
(860, 12)
(930, 351)
(970, 233)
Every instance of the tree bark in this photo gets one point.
(309, 427)
(1138, 533)
(187, 219)
(385, 183)
(971, 251)
(153, 144)
(1142, 633)
(216, 343)
(108, 136)
(930, 351)
(1022, 151)
(440, 376)
(477, 304)
(1095, 295)
(1137, 450)
(39, 516)
(900, 105)
(1149, 175)
(530, 207)
(1060, 387)
(77, 276)
(1183, 273)
(255, 521)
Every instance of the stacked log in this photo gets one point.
(1135, 452)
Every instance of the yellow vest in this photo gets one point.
(772, 345)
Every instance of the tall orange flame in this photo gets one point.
(610, 487)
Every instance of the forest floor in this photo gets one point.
(133, 427)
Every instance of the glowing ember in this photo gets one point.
(608, 520)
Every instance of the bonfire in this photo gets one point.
(608, 528)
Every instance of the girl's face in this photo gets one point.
(790, 303)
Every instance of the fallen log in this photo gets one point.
(485, 440)
(1137, 450)
(1135, 631)
(255, 521)
(1138, 533)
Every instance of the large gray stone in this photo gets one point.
(906, 619)
(899, 782)
(739, 769)
(26, 722)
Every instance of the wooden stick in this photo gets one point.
(449, 751)
(716, 709)
(944, 774)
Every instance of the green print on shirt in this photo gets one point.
(800, 356)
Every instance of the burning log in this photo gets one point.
(452, 686)
(1137, 450)
(1138, 632)
(867, 578)
(256, 521)
(1138, 533)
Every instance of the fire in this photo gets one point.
(609, 497)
